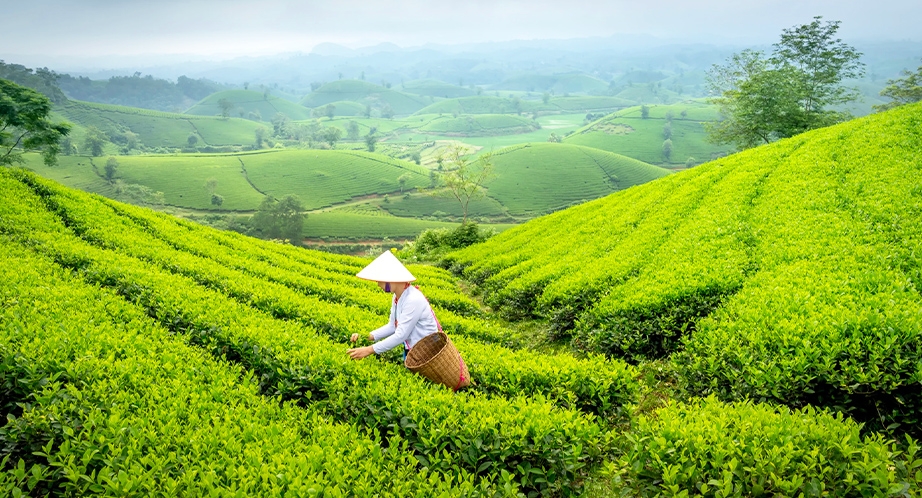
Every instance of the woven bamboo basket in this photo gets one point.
(436, 358)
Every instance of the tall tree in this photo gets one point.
(25, 125)
(226, 107)
(762, 99)
(905, 90)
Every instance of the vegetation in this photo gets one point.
(384, 101)
(248, 104)
(463, 180)
(775, 274)
(25, 125)
(905, 90)
(795, 90)
(138, 91)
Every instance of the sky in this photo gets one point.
(228, 28)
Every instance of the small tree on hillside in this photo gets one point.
(94, 141)
(279, 219)
(644, 112)
(370, 141)
(667, 149)
(226, 107)
(329, 111)
(192, 140)
(464, 180)
(352, 130)
(111, 168)
(332, 135)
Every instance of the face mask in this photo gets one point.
(387, 287)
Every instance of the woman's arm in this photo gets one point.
(410, 313)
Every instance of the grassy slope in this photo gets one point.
(365, 93)
(249, 101)
(436, 88)
(160, 128)
(542, 177)
(624, 132)
(795, 267)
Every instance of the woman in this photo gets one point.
(411, 316)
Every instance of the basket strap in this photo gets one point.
(437, 323)
(461, 378)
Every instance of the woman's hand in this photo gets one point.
(355, 337)
(359, 353)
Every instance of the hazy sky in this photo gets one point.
(91, 28)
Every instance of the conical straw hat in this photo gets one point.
(386, 268)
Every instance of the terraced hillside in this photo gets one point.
(542, 177)
(144, 355)
(789, 273)
(377, 96)
(155, 128)
(627, 132)
(249, 104)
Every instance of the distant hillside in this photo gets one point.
(436, 88)
(627, 132)
(542, 177)
(558, 84)
(139, 91)
(155, 128)
(491, 104)
(365, 93)
(320, 178)
(789, 273)
(479, 125)
(249, 104)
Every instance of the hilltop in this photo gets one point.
(259, 106)
(376, 96)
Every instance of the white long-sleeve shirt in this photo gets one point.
(411, 319)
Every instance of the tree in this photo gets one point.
(667, 131)
(370, 141)
(554, 138)
(281, 125)
(905, 90)
(464, 181)
(94, 141)
(217, 200)
(387, 112)
(226, 107)
(762, 99)
(402, 181)
(667, 149)
(330, 111)
(546, 97)
(332, 135)
(111, 168)
(279, 219)
(352, 130)
(260, 134)
(192, 140)
(416, 157)
(25, 126)
(644, 112)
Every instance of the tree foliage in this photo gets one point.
(905, 90)
(279, 219)
(24, 124)
(763, 99)
(464, 180)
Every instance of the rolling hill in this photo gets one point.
(627, 132)
(436, 88)
(542, 177)
(789, 273)
(365, 93)
(155, 128)
(247, 104)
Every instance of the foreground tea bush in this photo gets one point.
(523, 440)
(101, 400)
(709, 448)
(790, 273)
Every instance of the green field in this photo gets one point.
(541, 177)
(557, 83)
(435, 88)
(159, 129)
(479, 125)
(247, 102)
(365, 93)
(626, 133)
(361, 227)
